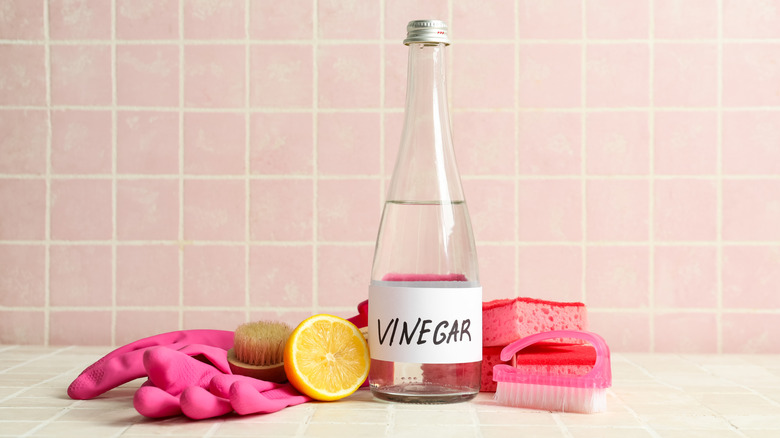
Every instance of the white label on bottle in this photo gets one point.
(425, 324)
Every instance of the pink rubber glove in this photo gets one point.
(126, 363)
(361, 319)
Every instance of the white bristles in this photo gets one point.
(552, 398)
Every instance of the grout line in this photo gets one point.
(515, 198)
(48, 202)
(315, 161)
(333, 41)
(247, 163)
(584, 157)
(180, 109)
(651, 163)
(114, 189)
(719, 185)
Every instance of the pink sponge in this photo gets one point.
(546, 358)
(505, 321)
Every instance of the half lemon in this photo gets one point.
(326, 358)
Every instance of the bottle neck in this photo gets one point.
(426, 168)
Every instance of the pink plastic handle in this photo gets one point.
(601, 369)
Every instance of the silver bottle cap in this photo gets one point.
(426, 31)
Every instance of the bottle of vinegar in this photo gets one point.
(425, 299)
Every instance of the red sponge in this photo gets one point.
(548, 358)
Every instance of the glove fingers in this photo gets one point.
(221, 383)
(197, 403)
(217, 356)
(245, 399)
(153, 402)
(173, 371)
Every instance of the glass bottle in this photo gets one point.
(425, 299)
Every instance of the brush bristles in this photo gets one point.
(261, 343)
(552, 398)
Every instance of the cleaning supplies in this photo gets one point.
(566, 393)
(258, 350)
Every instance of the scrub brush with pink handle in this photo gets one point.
(567, 393)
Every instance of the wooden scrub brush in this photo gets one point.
(258, 350)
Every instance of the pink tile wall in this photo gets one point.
(174, 164)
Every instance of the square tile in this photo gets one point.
(683, 19)
(751, 210)
(84, 19)
(750, 141)
(147, 275)
(617, 19)
(348, 210)
(147, 75)
(685, 210)
(147, 142)
(550, 143)
(624, 331)
(751, 19)
(491, 207)
(22, 20)
(348, 76)
(549, 19)
(618, 75)
(24, 75)
(281, 76)
(269, 19)
(214, 143)
(497, 267)
(348, 144)
(484, 143)
(23, 144)
(750, 277)
(688, 333)
(81, 209)
(23, 203)
(398, 13)
(474, 86)
(22, 327)
(23, 280)
(290, 317)
(77, 327)
(348, 20)
(214, 76)
(685, 277)
(474, 19)
(618, 143)
(281, 143)
(214, 276)
(132, 325)
(343, 274)
(213, 319)
(750, 74)
(618, 210)
(147, 19)
(550, 272)
(281, 210)
(81, 75)
(550, 210)
(80, 275)
(685, 74)
(147, 209)
(281, 276)
(81, 142)
(212, 20)
(685, 142)
(396, 67)
(550, 76)
(617, 276)
(214, 210)
(750, 333)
